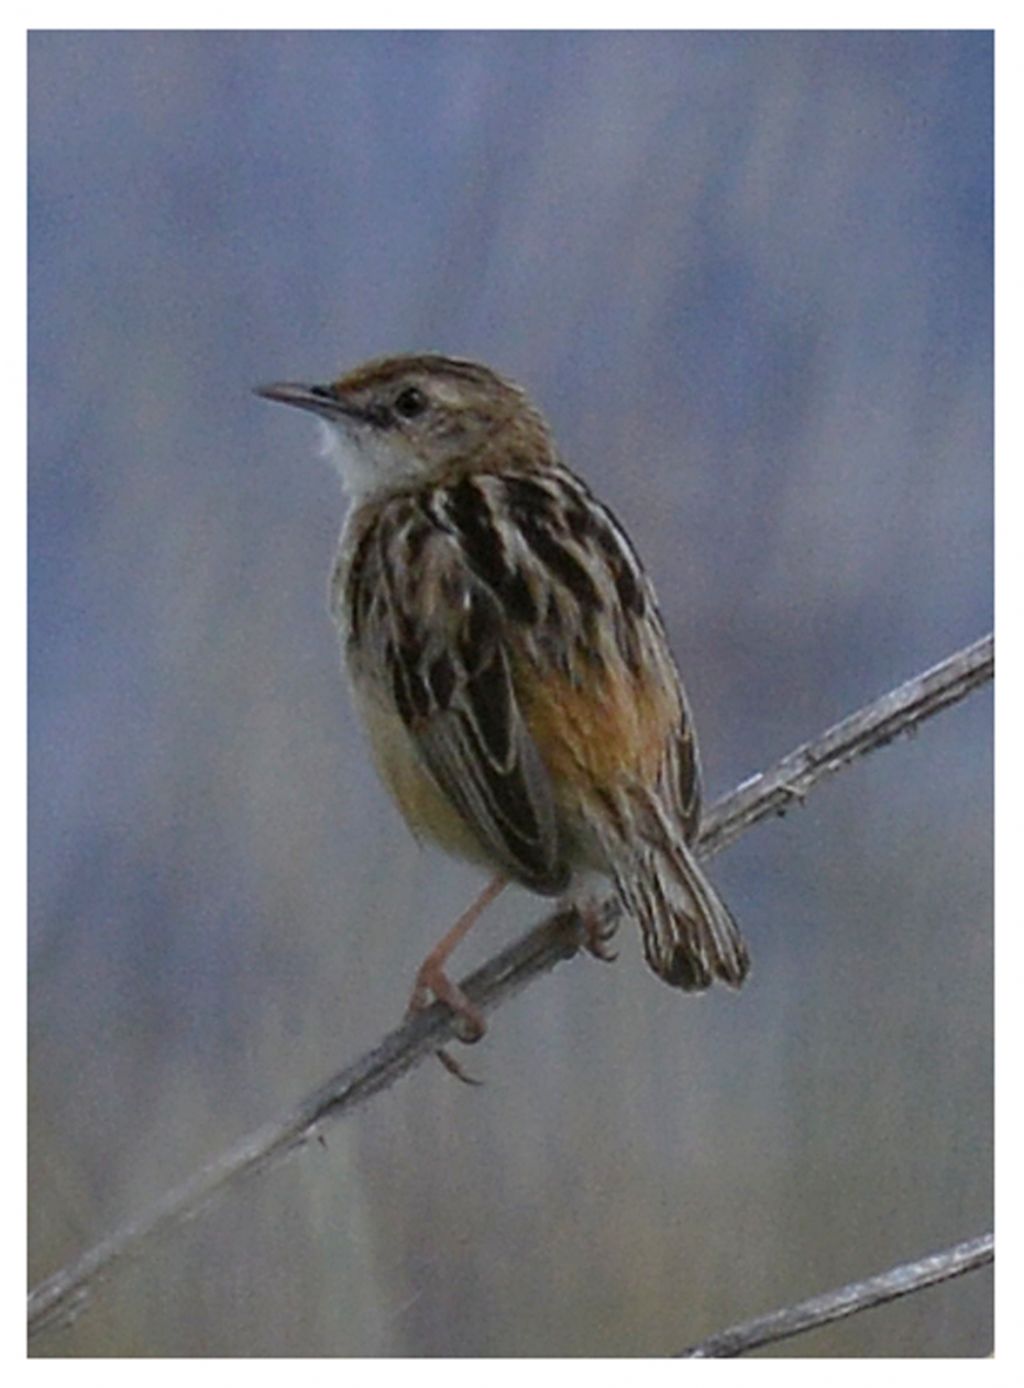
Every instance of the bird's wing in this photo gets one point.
(435, 638)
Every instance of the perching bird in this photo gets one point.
(508, 657)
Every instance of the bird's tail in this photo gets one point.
(690, 937)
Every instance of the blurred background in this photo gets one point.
(748, 277)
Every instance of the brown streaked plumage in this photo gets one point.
(508, 657)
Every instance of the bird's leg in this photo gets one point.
(431, 978)
(600, 921)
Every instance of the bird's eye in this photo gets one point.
(411, 402)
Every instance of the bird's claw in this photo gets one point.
(468, 1020)
(598, 929)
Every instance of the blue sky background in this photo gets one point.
(749, 278)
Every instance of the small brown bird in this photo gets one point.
(507, 655)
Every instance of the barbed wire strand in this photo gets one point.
(60, 1298)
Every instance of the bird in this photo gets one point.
(509, 661)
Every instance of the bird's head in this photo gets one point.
(398, 421)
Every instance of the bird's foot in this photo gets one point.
(432, 982)
(599, 926)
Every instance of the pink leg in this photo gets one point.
(598, 930)
(431, 978)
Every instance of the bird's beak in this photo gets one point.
(320, 399)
